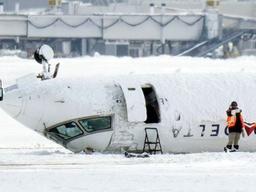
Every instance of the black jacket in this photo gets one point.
(237, 128)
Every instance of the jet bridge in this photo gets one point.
(160, 27)
(205, 31)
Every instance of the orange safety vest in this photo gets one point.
(231, 120)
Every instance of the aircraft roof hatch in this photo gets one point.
(135, 101)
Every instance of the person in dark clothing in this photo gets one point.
(235, 126)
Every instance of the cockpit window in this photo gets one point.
(96, 124)
(67, 131)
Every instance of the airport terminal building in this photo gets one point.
(136, 28)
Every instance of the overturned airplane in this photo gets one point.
(168, 112)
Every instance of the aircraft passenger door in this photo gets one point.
(135, 101)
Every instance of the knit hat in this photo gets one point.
(233, 104)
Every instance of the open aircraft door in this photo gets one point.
(135, 101)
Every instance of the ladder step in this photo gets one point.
(152, 142)
(152, 150)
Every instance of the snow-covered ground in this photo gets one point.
(51, 170)
(29, 162)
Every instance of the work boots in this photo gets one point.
(236, 147)
(227, 148)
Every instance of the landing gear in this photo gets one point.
(42, 55)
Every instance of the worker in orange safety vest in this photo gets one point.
(235, 127)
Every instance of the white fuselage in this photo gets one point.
(111, 113)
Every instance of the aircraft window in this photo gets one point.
(96, 124)
(67, 131)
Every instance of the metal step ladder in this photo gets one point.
(152, 143)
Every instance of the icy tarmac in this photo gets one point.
(51, 170)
